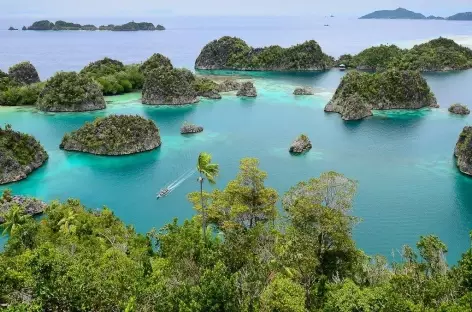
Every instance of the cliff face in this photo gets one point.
(169, 87)
(114, 135)
(20, 154)
(358, 93)
(30, 206)
(71, 92)
(233, 53)
(463, 151)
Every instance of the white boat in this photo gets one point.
(342, 67)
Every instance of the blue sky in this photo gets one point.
(127, 8)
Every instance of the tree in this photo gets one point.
(283, 295)
(14, 218)
(210, 171)
(66, 224)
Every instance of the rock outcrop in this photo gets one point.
(303, 91)
(463, 151)
(24, 72)
(229, 85)
(169, 87)
(459, 109)
(156, 61)
(12, 28)
(234, 53)
(114, 135)
(206, 88)
(71, 92)
(300, 145)
(30, 206)
(359, 93)
(20, 154)
(247, 89)
(188, 128)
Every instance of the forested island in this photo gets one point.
(62, 25)
(359, 93)
(114, 135)
(228, 257)
(234, 53)
(20, 154)
(401, 13)
(463, 151)
(439, 54)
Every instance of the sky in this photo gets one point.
(142, 8)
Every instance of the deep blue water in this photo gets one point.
(408, 182)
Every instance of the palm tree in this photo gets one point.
(66, 224)
(13, 219)
(210, 171)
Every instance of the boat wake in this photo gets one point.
(172, 186)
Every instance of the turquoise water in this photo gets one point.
(408, 182)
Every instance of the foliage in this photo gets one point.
(234, 53)
(375, 58)
(69, 91)
(24, 73)
(76, 259)
(164, 85)
(42, 25)
(114, 135)
(131, 26)
(156, 61)
(20, 95)
(204, 85)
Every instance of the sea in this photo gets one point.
(408, 184)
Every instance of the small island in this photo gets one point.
(114, 135)
(188, 128)
(206, 88)
(169, 87)
(247, 90)
(24, 73)
(12, 28)
(235, 54)
(29, 205)
(300, 145)
(359, 93)
(401, 13)
(229, 85)
(459, 109)
(463, 151)
(62, 25)
(71, 92)
(20, 154)
(303, 91)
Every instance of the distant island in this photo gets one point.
(402, 13)
(12, 28)
(62, 25)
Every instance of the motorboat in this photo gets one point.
(163, 193)
(342, 67)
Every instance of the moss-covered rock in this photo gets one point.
(392, 89)
(42, 25)
(188, 128)
(229, 85)
(206, 88)
(24, 72)
(156, 61)
(375, 58)
(234, 53)
(20, 154)
(114, 135)
(71, 92)
(20, 95)
(169, 87)
(463, 151)
(247, 89)
(459, 109)
(300, 145)
(303, 91)
(103, 67)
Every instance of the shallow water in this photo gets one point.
(408, 183)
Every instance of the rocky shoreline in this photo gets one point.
(459, 109)
(31, 206)
(463, 151)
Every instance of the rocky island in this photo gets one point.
(206, 88)
(359, 93)
(132, 26)
(235, 54)
(247, 89)
(459, 109)
(29, 205)
(114, 135)
(463, 151)
(62, 25)
(71, 92)
(24, 73)
(169, 87)
(300, 145)
(401, 13)
(156, 61)
(229, 85)
(303, 91)
(20, 154)
(12, 28)
(188, 128)
(373, 58)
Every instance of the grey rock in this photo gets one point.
(303, 91)
(463, 151)
(459, 109)
(190, 128)
(247, 89)
(300, 145)
(229, 85)
(31, 206)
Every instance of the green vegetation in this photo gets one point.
(156, 61)
(399, 13)
(114, 77)
(374, 58)
(463, 151)
(436, 55)
(132, 26)
(42, 25)
(204, 86)
(24, 73)
(20, 95)
(69, 91)
(234, 53)
(114, 135)
(19, 155)
(252, 258)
